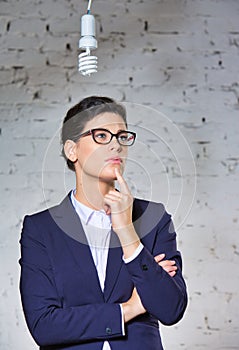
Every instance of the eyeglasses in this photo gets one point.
(104, 136)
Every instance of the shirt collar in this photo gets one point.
(83, 211)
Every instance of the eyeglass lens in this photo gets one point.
(125, 138)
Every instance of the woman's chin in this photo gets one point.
(109, 174)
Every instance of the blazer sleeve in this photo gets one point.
(47, 320)
(163, 296)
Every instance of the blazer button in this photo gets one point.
(108, 330)
(144, 267)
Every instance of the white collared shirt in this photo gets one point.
(98, 220)
(95, 221)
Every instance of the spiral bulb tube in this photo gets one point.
(87, 62)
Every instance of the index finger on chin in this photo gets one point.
(123, 184)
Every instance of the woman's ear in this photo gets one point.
(70, 150)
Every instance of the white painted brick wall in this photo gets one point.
(178, 57)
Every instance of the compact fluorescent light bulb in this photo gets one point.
(87, 42)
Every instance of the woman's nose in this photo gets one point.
(114, 144)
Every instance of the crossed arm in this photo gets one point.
(133, 307)
(119, 204)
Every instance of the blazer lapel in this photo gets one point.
(66, 218)
(114, 265)
(115, 261)
(69, 222)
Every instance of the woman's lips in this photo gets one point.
(114, 160)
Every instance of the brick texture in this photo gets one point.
(175, 64)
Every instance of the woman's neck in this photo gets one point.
(91, 191)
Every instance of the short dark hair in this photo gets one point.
(78, 115)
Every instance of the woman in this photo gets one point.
(99, 270)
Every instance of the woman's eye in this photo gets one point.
(101, 135)
(124, 137)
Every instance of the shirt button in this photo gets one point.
(144, 267)
(108, 330)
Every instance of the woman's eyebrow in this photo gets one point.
(119, 130)
(122, 130)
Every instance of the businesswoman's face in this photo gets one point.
(97, 152)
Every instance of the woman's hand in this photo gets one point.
(119, 204)
(133, 307)
(168, 265)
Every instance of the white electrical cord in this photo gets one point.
(89, 6)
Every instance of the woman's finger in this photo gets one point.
(172, 274)
(169, 268)
(114, 196)
(159, 257)
(123, 185)
(167, 263)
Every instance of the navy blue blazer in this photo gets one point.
(63, 303)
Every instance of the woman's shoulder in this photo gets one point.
(149, 216)
(144, 204)
(149, 210)
(49, 213)
(37, 219)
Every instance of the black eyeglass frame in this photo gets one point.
(117, 135)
